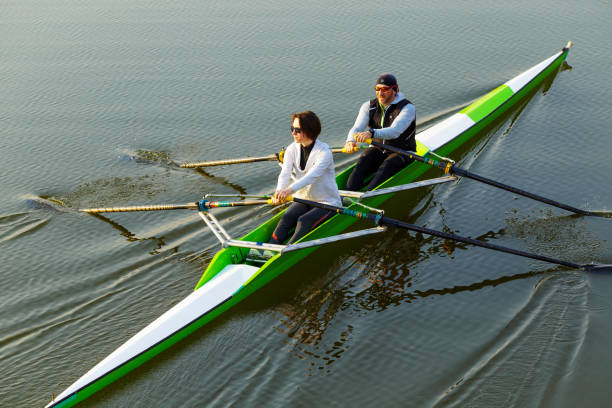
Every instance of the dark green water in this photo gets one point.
(98, 96)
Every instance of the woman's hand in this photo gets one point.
(281, 195)
(350, 147)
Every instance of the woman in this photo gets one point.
(312, 162)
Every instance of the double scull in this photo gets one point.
(231, 276)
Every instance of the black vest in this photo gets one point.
(404, 141)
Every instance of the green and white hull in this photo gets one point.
(228, 279)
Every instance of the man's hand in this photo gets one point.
(361, 137)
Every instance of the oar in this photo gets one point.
(202, 205)
(448, 167)
(272, 157)
(192, 165)
(379, 219)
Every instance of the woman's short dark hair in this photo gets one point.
(309, 122)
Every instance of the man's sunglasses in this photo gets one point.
(383, 88)
(296, 130)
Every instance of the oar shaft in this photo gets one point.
(201, 205)
(381, 220)
(272, 157)
(412, 155)
(483, 244)
(158, 207)
(450, 168)
(465, 173)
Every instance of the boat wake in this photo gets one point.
(549, 330)
(14, 226)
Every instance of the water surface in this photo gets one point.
(97, 98)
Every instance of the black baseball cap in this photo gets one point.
(387, 80)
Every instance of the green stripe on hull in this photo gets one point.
(486, 104)
(451, 146)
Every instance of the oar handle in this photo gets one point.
(343, 150)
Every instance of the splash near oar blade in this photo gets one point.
(451, 168)
(46, 203)
(604, 214)
(592, 268)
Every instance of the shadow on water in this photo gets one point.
(376, 277)
(131, 237)
(221, 180)
(307, 301)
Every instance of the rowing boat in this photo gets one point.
(231, 276)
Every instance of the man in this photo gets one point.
(390, 119)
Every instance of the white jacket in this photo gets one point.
(317, 181)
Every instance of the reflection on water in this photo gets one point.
(375, 278)
(378, 276)
(221, 180)
(131, 237)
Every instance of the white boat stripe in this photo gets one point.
(197, 304)
(445, 131)
(517, 83)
